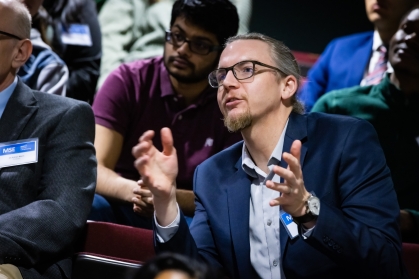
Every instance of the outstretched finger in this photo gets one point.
(167, 141)
(296, 150)
(147, 136)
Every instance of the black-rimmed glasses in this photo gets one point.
(242, 70)
(196, 46)
(10, 35)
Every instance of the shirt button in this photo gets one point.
(180, 117)
(269, 222)
(275, 263)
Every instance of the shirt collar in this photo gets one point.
(247, 162)
(5, 95)
(376, 41)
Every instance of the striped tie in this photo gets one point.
(380, 68)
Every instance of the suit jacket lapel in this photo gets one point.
(362, 54)
(238, 195)
(296, 130)
(19, 109)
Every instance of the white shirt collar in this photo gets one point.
(376, 41)
(247, 163)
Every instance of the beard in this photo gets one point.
(194, 76)
(238, 122)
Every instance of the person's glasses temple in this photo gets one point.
(10, 35)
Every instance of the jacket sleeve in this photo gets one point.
(182, 242)
(44, 230)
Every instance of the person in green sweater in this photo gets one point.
(392, 107)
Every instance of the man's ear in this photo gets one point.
(23, 51)
(289, 87)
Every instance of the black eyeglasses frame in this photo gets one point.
(234, 73)
(211, 48)
(10, 35)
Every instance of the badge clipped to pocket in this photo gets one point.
(76, 34)
(19, 152)
(289, 224)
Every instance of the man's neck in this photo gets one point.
(262, 137)
(189, 91)
(406, 83)
(6, 82)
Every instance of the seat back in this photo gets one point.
(411, 259)
(109, 250)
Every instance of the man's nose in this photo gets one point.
(184, 48)
(230, 79)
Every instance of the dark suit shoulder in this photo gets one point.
(51, 105)
(47, 99)
(333, 122)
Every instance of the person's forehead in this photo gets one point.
(241, 50)
(192, 30)
(6, 17)
(412, 16)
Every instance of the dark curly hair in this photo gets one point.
(215, 16)
(171, 261)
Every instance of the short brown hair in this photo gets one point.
(284, 60)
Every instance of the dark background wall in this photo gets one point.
(308, 25)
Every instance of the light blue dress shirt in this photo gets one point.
(5, 96)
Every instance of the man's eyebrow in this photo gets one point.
(201, 38)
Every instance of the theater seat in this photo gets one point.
(109, 250)
(411, 259)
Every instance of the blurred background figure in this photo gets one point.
(359, 59)
(44, 71)
(135, 29)
(392, 107)
(165, 91)
(76, 38)
(175, 266)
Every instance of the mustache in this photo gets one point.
(173, 58)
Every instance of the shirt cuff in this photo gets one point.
(306, 233)
(164, 234)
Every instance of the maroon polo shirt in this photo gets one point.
(139, 96)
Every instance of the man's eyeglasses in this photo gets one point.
(241, 70)
(10, 35)
(196, 46)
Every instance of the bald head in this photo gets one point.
(15, 18)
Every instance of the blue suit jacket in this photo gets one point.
(341, 65)
(356, 235)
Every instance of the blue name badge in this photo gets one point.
(18, 152)
(289, 224)
(76, 34)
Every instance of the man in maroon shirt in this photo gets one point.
(169, 91)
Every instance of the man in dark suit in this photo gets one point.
(392, 107)
(355, 59)
(304, 196)
(47, 163)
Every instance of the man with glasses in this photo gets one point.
(303, 196)
(47, 163)
(169, 91)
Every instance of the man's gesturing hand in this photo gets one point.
(294, 193)
(158, 172)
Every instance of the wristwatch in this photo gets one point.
(312, 210)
